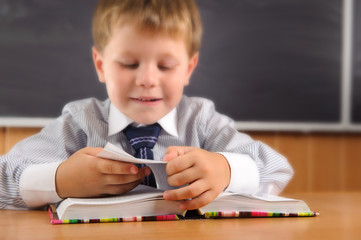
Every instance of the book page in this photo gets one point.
(267, 198)
(141, 201)
(158, 167)
(115, 153)
(139, 193)
(248, 203)
(273, 198)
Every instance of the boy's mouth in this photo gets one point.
(146, 100)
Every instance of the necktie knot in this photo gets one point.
(143, 139)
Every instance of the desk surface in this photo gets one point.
(339, 219)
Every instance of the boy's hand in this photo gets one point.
(207, 175)
(85, 175)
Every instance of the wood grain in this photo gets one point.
(325, 160)
(351, 161)
(268, 138)
(14, 135)
(2, 141)
(295, 147)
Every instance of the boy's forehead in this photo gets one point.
(148, 33)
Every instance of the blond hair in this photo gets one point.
(175, 18)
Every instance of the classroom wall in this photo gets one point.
(322, 161)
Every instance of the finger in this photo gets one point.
(178, 165)
(185, 177)
(117, 179)
(175, 151)
(169, 156)
(198, 202)
(106, 166)
(187, 192)
(121, 188)
(93, 151)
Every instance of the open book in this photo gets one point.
(145, 203)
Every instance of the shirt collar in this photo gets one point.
(118, 122)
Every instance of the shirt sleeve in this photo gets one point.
(255, 167)
(37, 184)
(244, 173)
(27, 172)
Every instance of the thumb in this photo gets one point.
(175, 151)
(94, 151)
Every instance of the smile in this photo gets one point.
(146, 100)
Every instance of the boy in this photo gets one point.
(144, 52)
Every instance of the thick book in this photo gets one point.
(145, 203)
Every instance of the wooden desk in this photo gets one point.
(339, 219)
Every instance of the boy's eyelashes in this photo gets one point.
(162, 67)
(130, 66)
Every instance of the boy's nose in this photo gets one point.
(147, 76)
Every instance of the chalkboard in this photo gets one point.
(356, 93)
(261, 60)
(45, 61)
(273, 60)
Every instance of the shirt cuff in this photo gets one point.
(37, 184)
(244, 173)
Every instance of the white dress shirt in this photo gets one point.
(30, 167)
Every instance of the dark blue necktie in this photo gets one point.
(143, 139)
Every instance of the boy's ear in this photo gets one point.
(192, 64)
(98, 63)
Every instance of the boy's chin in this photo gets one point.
(147, 120)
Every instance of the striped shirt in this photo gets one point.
(27, 172)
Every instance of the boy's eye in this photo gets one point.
(130, 65)
(164, 67)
